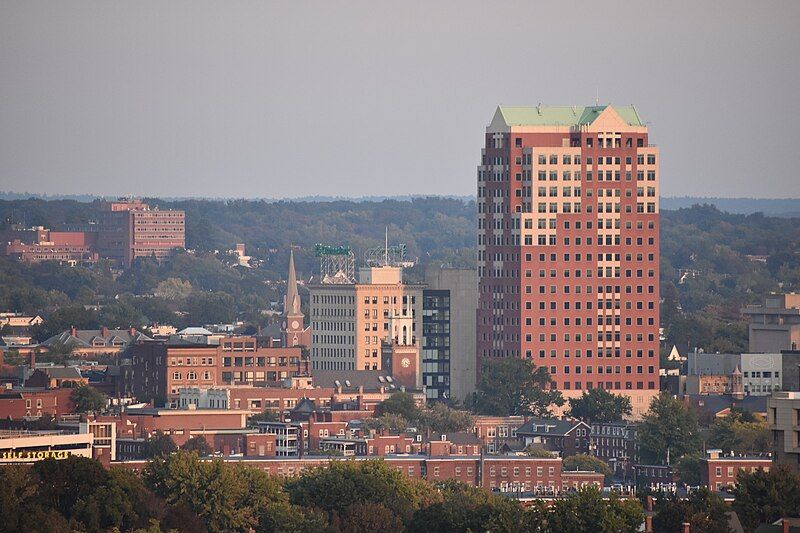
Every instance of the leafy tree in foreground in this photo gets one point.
(670, 427)
(599, 405)
(515, 386)
(344, 483)
(763, 497)
(704, 510)
(466, 508)
(86, 398)
(586, 511)
(198, 444)
(442, 419)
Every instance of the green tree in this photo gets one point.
(198, 444)
(264, 416)
(466, 508)
(530, 451)
(122, 502)
(216, 492)
(401, 403)
(442, 419)
(734, 433)
(669, 428)
(515, 386)
(343, 483)
(586, 511)
(62, 482)
(599, 405)
(703, 510)
(159, 445)
(763, 497)
(688, 469)
(88, 399)
(390, 421)
(587, 463)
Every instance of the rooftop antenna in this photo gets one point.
(597, 96)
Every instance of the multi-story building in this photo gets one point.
(719, 471)
(615, 443)
(760, 373)
(568, 247)
(566, 437)
(131, 229)
(160, 369)
(350, 321)
(775, 325)
(783, 417)
(448, 332)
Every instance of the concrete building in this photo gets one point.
(761, 372)
(783, 417)
(26, 447)
(448, 332)
(130, 229)
(568, 247)
(775, 325)
(350, 321)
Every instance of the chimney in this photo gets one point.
(686, 527)
(648, 524)
(132, 331)
(73, 331)
(786, 525)
(104, 332)
(650, 503)
(33, 360)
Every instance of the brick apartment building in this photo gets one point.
(159, 369)
(19, 403)
(568, 247)
(719, 471)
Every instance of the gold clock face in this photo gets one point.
(295, 324)
(406, 362)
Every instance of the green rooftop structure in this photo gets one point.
(563, 115)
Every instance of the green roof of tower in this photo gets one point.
(564, 115)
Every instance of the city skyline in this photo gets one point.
(257, 101)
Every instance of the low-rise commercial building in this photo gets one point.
(26, 447)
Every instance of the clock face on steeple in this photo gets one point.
(295, 324)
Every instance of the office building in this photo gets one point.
(448, 332)
(568, 247)
(774, 325)
(130, 229)
(350, 318)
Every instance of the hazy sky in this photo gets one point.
(283, 99)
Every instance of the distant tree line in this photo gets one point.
(712, 263)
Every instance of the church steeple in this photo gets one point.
(291, 302)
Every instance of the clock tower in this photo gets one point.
(400, 349)
(293, 328)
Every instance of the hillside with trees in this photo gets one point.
(712, 262)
